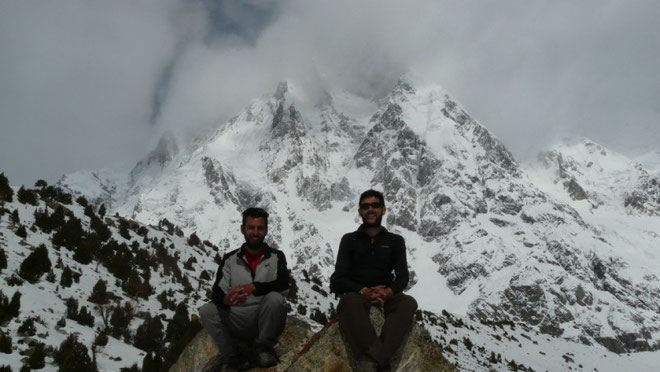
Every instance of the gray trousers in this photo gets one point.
(262, 323)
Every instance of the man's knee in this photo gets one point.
(351, 300)
(274, 299)
(410, 303)
(406, 304)
(208, 311)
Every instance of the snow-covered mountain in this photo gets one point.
(566, 246)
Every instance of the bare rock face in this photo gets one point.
(327, 351)
(201, 354)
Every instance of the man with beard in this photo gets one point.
(248, 303)
(372, 270)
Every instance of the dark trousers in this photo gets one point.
(353, 311)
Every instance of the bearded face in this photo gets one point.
(254, 230)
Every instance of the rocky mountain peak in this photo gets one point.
(166, 149)
(281, 90)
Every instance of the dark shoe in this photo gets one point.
(265, 356)
(233, 364)
(366, 365)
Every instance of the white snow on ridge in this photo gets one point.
(512, 236)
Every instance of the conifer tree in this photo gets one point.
(70, 234)
(3, 259)
(193, 241)
(82, 202)
(6, 192)
(14, 305)
(36, 360)
(178, 344)
(149, 334)
(100, 228)
(102, 210)
(120, 319)
(87, 248)
(189, 263)
(89, 211)
(67, 277)
(133, 284)
(40, 184)
(99, 293)
(35, 264)
(101, 338)
(21, 232)
(179, 322)
(42, 220)
(57, 218)
(9, 309)
(142, 231)
(27, 328)
(149, 363)
(50, 276)
(27, 196)
(14, 217)
(123, 231)
(85, 317)
(73, 356)
(5, 342)
(71, 308)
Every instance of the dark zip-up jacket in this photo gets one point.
(271, 274)
(362, 262)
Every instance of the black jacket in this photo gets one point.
(271, 275)
(363, 263)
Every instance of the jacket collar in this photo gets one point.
(361, 231)
(267, 251)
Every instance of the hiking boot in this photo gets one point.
(265, 356)
(366, 365)
(232, 363)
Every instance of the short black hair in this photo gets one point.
(375, 194)
(255, 213)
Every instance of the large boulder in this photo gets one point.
(299, 349)
(201, 354)
(328, 351)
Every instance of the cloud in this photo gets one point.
(75, 82)
(89, 84)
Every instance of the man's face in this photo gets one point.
(254, 230)
(372, 211)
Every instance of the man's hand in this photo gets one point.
(238, 295)
(380, 294)
(377, 295)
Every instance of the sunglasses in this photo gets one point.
(366, 206)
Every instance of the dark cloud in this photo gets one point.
(80, 81)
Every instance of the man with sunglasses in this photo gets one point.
(372, 270)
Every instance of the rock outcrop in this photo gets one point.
(201, 355)
(299, 349)
(327, 351)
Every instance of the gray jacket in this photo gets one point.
(271, 274)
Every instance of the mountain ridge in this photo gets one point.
(506, 248)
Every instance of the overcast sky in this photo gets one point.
(89, 84)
